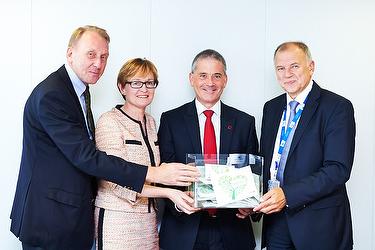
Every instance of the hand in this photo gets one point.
(174, 174)
(244, 212)
(273, 201)
(182, 201)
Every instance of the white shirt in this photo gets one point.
(215, 121)
(300, 99)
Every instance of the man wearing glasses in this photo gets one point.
(206, 126)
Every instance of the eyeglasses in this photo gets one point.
(139, 84)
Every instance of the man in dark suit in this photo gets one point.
(53, 204)
(181, 132)
(307, 205)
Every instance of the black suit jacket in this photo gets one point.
(178, 135)
(318, 165)
(53, 205)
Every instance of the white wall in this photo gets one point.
(340, 34)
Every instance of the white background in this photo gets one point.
(340, 33)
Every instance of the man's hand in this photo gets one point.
(244, 212)
(173, 174)
(273, 201)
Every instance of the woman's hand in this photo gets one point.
(182, 200)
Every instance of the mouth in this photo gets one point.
(210, 90)
(142, 96)
(289, 82)
(94, 73)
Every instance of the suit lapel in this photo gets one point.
(69, 85)
(227, 125)
(273, 119)
(312, 104)
(192, 126)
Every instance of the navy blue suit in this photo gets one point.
(53, 205)
(178, 135)
(318, 166)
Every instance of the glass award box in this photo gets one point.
(227, 180)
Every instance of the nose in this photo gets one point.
(288, 72)
(98, 63)
(209, 80)
(143, 88)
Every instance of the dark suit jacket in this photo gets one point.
(318, 165)
(178, 135)
(53, 202)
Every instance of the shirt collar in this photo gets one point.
(200, 108)
(78, 85)
(300, 98)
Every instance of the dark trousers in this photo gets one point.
(209, 234)
(277, 234)
(26, 246)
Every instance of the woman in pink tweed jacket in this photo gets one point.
(125, 219)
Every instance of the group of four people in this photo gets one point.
(68, 165)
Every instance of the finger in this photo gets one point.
(186, 208)
(241, 216)
(187, 198)
(261, 206)
(181, 183)
(269, 209)
(189, 170)
(187, 178)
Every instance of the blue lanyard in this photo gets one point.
(285, 132)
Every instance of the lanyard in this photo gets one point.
(285, 132)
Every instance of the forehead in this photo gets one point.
(209, 65)
(91, 40)
(142, 76)
(290, 55)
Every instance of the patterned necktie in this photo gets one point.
(284, 155)
(89, 116)
(209, 147)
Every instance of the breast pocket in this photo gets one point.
(135, 151)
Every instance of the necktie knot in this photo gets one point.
(208, 113)
(293, 105)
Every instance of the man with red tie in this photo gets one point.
(206, 126)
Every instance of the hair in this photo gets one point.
(77, 34)
(133, 67)
(208, 53)
(302, 46)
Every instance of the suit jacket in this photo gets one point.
(318, 166)
(178, 135)
(53, 204)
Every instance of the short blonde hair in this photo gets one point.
(77, 34)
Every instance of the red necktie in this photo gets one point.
(209, 146)
(209, 139)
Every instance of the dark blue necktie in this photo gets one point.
(89, 116)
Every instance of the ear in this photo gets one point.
(226, 80)
(191, 78)
(121, 88)
(69, 53)
(312, 66)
